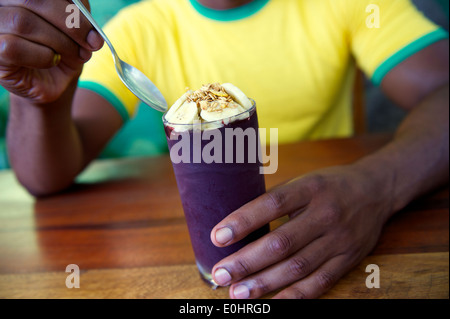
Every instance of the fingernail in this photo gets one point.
(224, 235)
(241, 292)
(94, 40)
(222, 276)
(56, 59)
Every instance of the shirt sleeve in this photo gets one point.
(384, 33)
(99, 74)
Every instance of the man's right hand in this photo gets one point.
(39, 55)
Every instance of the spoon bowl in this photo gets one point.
(134, 80)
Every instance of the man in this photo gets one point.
(295, 58)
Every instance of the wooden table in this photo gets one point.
(123, 225)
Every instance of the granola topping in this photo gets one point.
(211, 98)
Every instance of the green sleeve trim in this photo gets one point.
(237, 13)
(406, 52)
(4, 162)
(107, 95)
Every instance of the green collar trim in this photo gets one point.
(229, 14)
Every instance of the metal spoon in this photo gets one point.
(133, 79)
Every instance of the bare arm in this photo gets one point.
(419, 153)
(50, 144)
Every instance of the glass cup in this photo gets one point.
(217, 168)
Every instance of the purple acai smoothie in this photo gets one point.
(210, 191)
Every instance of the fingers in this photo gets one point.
(292, 269)
(304, 252)
(54, 12)
(319, 282)
(43, 26)
(286, 199)
(19, 24)
(268, 250)
(16, 51)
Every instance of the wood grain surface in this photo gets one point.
(122, 223)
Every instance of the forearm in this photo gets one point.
(43, 143)
(417, 159)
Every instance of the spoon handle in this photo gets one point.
(88, 15)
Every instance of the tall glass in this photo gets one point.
(217, 183)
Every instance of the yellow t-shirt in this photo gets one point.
(295, 58)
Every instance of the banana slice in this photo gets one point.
(222, 114)
(174, 108)
(187, 113)
(211, 126)
(237, 95)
